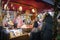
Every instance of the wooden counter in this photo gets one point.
(21, 37)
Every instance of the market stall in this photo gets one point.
(18, 17)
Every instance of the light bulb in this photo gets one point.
(20, 8)
(51, 13)
(5, 6)
(33, 10)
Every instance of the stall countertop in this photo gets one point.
(20, 35)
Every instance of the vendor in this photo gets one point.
(35, 33)
(14, 20)
(47, 27)
(7, 21)
(19, 21)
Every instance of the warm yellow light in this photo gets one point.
(20, 8)
(33, 10)
(5, 6)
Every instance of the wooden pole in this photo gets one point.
(55, 19)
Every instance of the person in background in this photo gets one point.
(34, 15)
(40, 20)
(47, 27)
(35, 33)
(7, 20)
(19, 21)
(14, 20)
(3, 19)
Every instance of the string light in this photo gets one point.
(20, 8)
(33, 10)
(5, 6)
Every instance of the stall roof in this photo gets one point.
(52, 3)
(49, 1)
(28, 4)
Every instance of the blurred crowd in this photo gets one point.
(42, 25)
